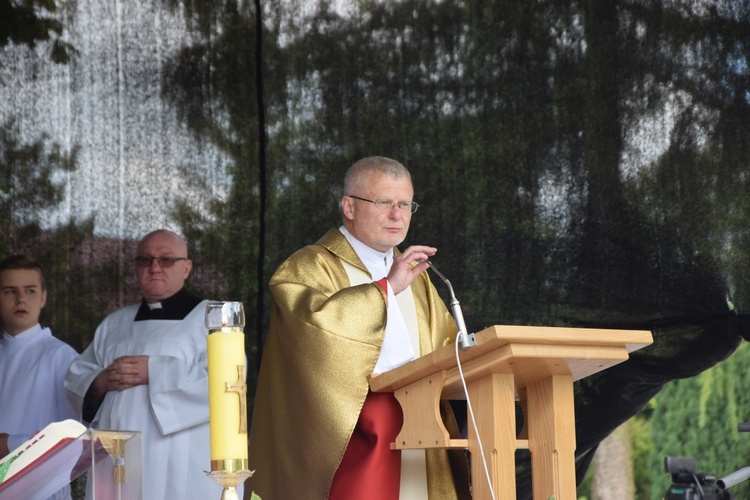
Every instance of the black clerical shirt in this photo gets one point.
(177, 307)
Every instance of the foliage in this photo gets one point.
(642, 447)
(213, 86)
(29, 188)
(27, 182)
(31, 22)
(698, 418)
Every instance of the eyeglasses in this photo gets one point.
(388, 205)
(164, 262)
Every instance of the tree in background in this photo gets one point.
(215, 87)
(77, 268)
(31, 22)
(32, 174)
(697, 418)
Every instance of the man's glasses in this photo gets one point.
(164, 262)
(388, 205)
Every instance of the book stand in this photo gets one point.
(112, 458)
(537, 365)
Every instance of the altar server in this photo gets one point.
(33, 363)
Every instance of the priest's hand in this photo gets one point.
(123, 373)
(403, 271)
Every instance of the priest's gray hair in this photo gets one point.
(362, 168)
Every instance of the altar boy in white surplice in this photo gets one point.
(33, 363)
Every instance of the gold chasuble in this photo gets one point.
(323, 343)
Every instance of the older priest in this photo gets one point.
(146, 370)
(343, 308)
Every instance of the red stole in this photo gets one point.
(369, 468)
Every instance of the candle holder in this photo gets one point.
(227, 394)
(229, 482)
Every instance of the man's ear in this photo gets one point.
(347, 207)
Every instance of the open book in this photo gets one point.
(42, 446)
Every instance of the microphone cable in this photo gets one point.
(466, 340)
(473, 421)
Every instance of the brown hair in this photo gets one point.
(22, 262)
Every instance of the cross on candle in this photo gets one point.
(240, 387)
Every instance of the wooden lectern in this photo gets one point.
(537, 365)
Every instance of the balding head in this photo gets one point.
(161, 265)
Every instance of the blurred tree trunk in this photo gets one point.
(613, 467)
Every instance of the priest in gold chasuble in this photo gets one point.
(346, 307)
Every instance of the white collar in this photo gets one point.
(377, 263)
(26, 333)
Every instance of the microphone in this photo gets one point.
(466, 338)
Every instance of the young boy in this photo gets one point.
(33, 363)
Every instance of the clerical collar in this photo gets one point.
(378, 263)
(175, 307)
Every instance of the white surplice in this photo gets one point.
(171, 412)
(33, 365)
